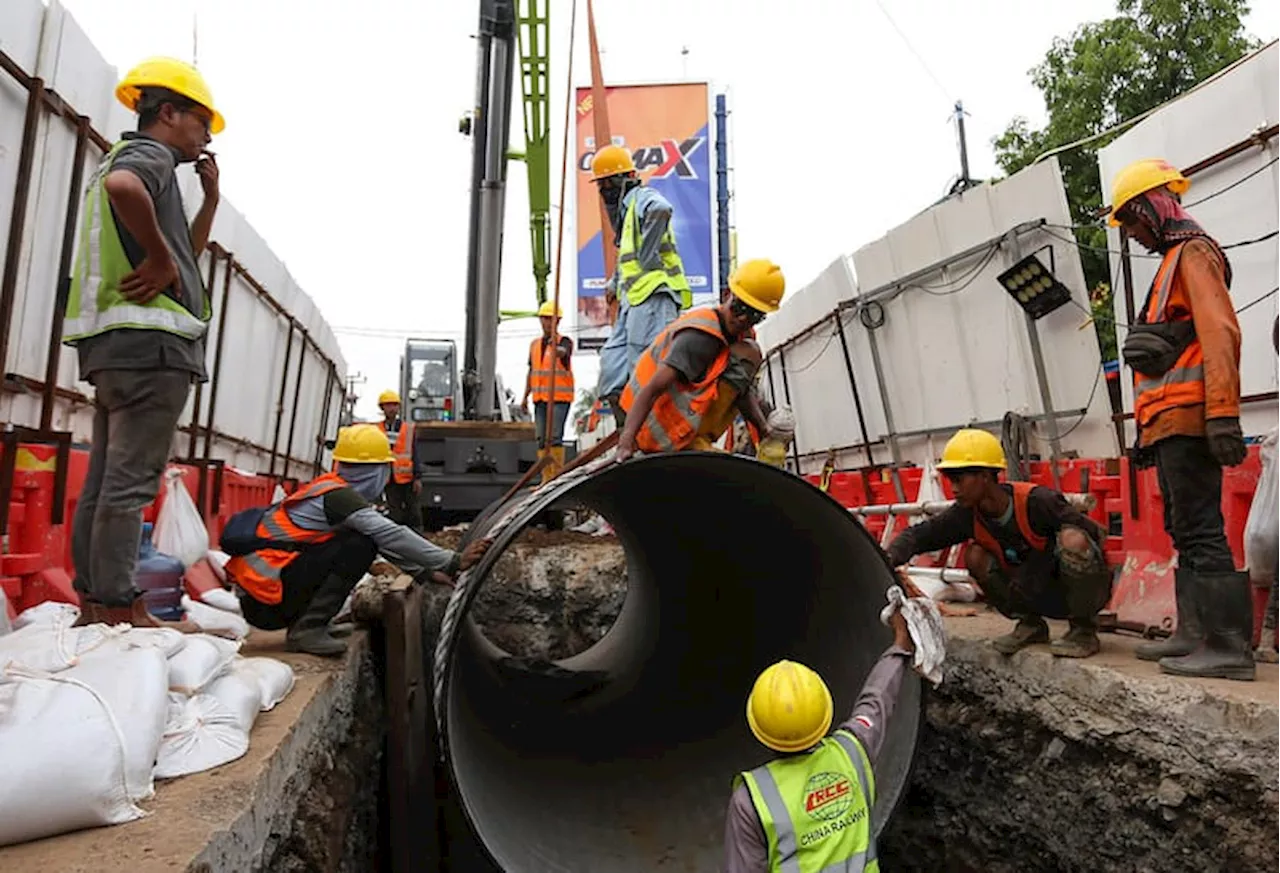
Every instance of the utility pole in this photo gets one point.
(349, 402)
(965, 182)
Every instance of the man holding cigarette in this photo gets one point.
(137, 314)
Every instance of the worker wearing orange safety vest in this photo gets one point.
(809, 810)
(1185, 354)
(1033, 554)
(701, 369)
(294, 562)
(545, 353)
(401, 489)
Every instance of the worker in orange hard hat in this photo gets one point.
(699, 371)
(538, 384)
(1185, 354)
(400, 495)
(810, 808)
(649, 281)
(1033, 554)
(137, 314)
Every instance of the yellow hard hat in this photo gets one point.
(388, 396)
(178, 76)
(789, 709)
(759, 284)
(971, 447)
(550, 309)
(611, 160)
(1143, 176)
(362, 444)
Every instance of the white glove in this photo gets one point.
(924, 622)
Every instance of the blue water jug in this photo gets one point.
(160, 578)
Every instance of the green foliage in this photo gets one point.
(1104, 74)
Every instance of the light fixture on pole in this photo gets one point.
(1035, 288)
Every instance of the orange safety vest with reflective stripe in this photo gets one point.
(984, 537)
(540, 361)
(258, 573)
(1183, 383)
(673, 422)
(402, 448)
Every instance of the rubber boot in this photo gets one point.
(1029, 630)
(1226, 611)
(342, 629)
(1086, 594)
(90, 613)
(1189, 632)
(311, 632)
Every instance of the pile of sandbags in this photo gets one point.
(90, 716)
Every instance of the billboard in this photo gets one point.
(665, 127)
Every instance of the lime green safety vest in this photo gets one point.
(638, 285)
(95, 304)
(816, 808)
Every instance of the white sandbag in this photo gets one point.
(239, 695)
(180, 531)
(1262, 529)
(211, 619)
(62, 756)
(203, 659)
(275, 678)
(6, 625)
(49, 612)
(134, 684)
(201, 734)
(220, 598)
(46, 647)
(165, 639)
(218, 561)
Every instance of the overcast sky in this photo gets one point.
(342, 150)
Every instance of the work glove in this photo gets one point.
(1226, 441)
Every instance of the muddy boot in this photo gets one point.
(90, 613)
(342, 629)
(140, 617)
(1189, 631)
(1226, 611)
(311, 632)
(1087, 591)
(1029, 630)
(1080, 641)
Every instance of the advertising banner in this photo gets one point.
(665, 127)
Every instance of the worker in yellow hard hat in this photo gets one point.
(329, 534)
(400, 496)
(1033, 554)
(137, 314)
(649, 281)
(810, 808)
(691, 380)
(1185, 355)
(538, 384)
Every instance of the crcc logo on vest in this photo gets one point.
(671, 158)
(827, 796)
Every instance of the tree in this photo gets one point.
(586, 400)
(1106, 73)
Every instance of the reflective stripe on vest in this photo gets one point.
(983, 537)
(838, 843)
(259, 573)
(635, 283)
(1183, 383)
(540, 373)
(673, 422)
(402, 448)
(94, 304)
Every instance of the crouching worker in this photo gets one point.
(771, 825)
(295, 562)
(700, 370)
(1033, 554)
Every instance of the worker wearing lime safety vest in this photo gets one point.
(649, 281)
(547, 352)
(809, 811)
(136, 314)
(400, 488)
(699, 371)
(1033, 554)
(1185, 354)
(294, 563)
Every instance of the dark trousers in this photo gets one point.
(560, 414)
(1191, 484)
(402, 504)
(322, 575)
(1042, 586)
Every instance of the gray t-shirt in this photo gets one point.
(153, 163)
(693, 351)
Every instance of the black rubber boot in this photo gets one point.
(1189, 632)
(1029, 630)
(311, 632)
(1226, 611)
(1087, 593)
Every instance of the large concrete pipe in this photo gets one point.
(620, 758)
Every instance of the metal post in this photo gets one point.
(63, 291)
(889, 436)
(786, 392)
(964, 146)
(217, 356)
(1042, 376)
(324, 418)
(297, 395)
(18, 217)
(284, 381)
(195, 407)
(722, 191)
(853, 385)
(1126, 273)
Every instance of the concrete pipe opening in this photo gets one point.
(620, 758)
